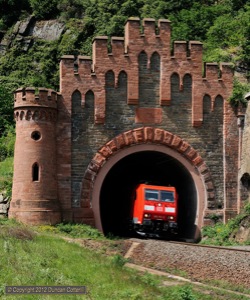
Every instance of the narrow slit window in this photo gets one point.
(35, 172)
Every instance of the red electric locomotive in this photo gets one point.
(155, 210)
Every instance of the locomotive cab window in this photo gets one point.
(167, 196)
(151, 194)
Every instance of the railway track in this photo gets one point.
(200, 263)
(229, 248)
(244, 248)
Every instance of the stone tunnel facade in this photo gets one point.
(135, 94)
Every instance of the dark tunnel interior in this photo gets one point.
(156, 168)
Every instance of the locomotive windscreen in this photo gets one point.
(151, 194)
(166, 196)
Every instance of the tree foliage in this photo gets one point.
(6, 109)
(10, 11)
(44, 9)
(223, 27)
(239, 92)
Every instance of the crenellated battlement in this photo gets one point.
(136, 29)
(27, 97)
(145, 47)
(117, 46)
(183, 50)
(215, 71)
(139, 36)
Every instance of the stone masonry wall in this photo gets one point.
(141, 82)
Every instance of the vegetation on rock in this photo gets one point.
(226, 234)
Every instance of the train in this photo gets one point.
(155, 210)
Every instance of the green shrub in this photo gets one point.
(6, 174)
(220, 234)
(79, 230)
(6, 109)
(247, 208)
(185, 293)
(7, 143)
(118, 260)
(239, 91)
(48, 228)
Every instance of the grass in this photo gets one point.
(40, 256)
(6, 174)
(49, 260)
(225, 285)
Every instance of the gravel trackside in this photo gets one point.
(199, 263)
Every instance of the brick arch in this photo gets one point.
(146, 135)
(147, 139)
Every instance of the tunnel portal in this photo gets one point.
(156, 168)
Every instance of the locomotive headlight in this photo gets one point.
(170, 217)
(147, 215)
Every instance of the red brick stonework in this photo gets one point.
(34, 194)
(139, 96)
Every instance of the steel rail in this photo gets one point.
(229, 248)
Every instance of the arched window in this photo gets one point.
(35, 172)
(175, 85)
(21, 115)
(109, 80)
(218, 102)
(122, 86)
(149, 79)
(155, 62)
(76, 115)
(122, 79)
(207, 108)
(187, 84)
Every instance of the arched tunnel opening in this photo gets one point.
(116, 201)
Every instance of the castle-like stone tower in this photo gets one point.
(34, 195)
(137, 111)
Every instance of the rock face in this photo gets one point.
(48, 30)
(4, 205)
(24, 32)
